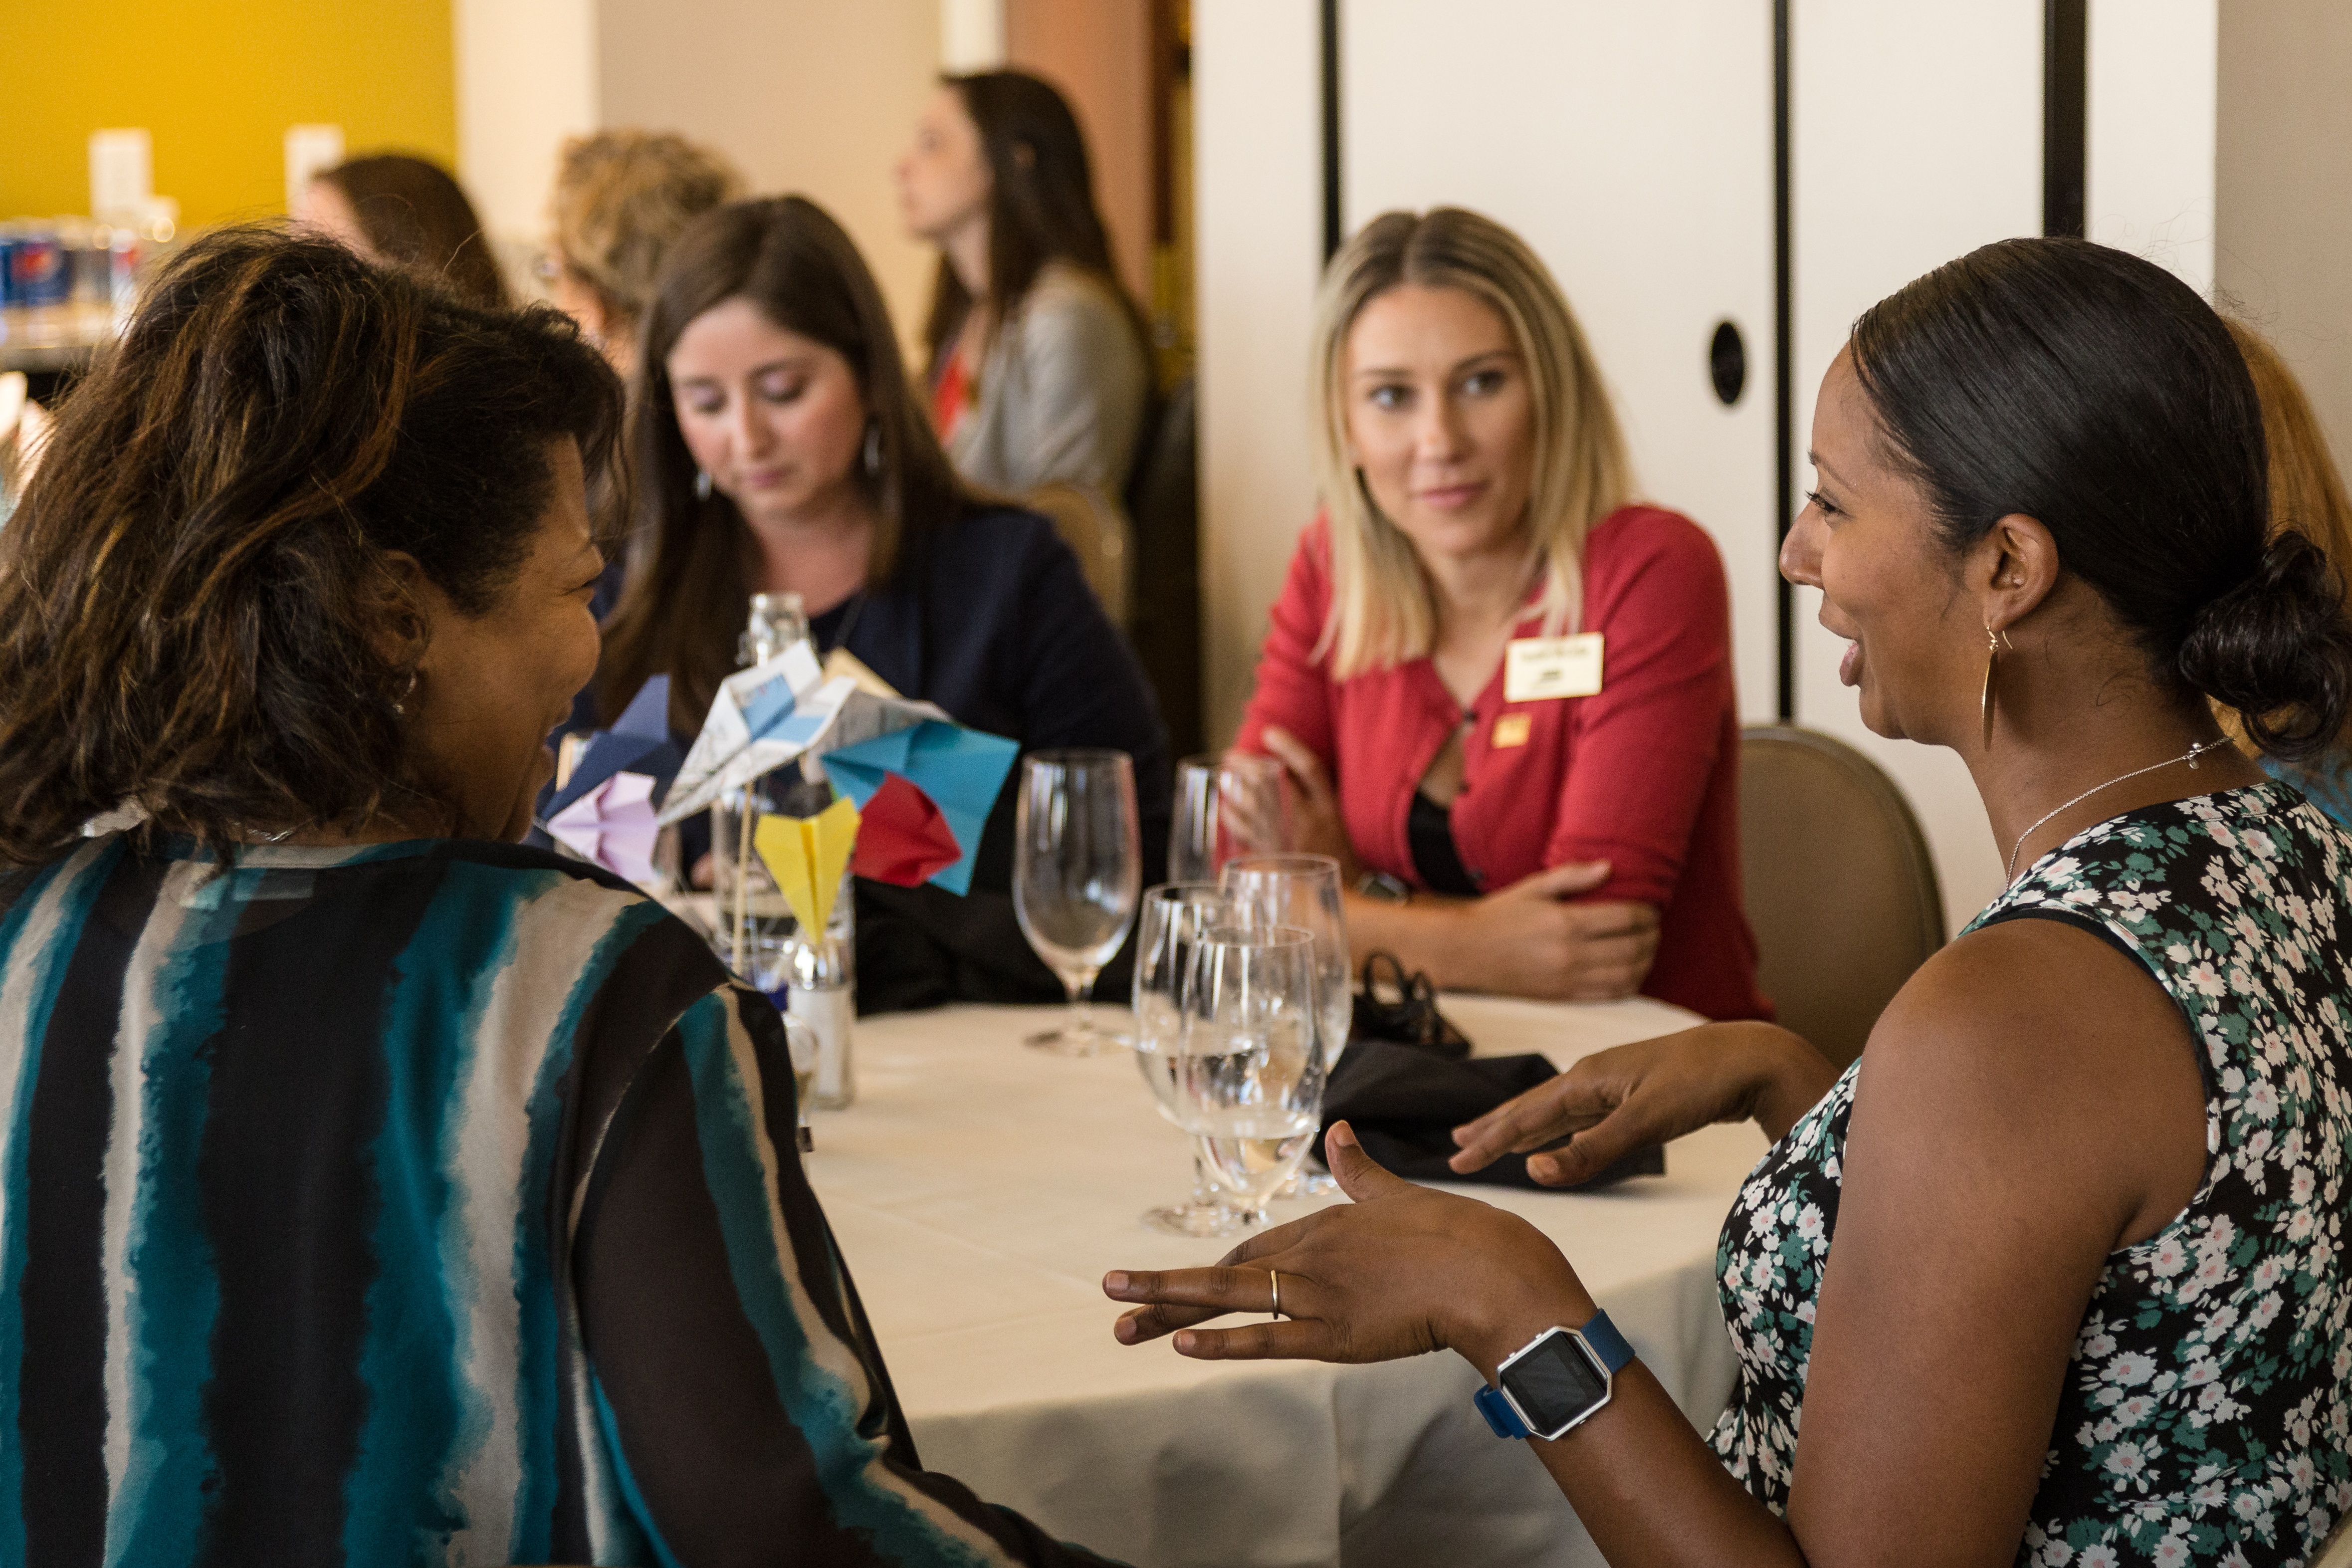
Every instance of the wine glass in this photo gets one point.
(1303, 890)
(1249, 1075)
(1076, 870)
(1225, 806)
(1174, 916)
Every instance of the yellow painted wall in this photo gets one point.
(216, 82)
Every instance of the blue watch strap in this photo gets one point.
(1600, 1335)
(1499, 1413)
(1607, 1343)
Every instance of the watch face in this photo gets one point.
(1554, 1382)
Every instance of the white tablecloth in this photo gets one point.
(980, 1191)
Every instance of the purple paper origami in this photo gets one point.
(613, 825)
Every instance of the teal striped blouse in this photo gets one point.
(433, 1202)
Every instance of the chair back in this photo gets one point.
(2336, 1552)
(1840, 887)
(1163, 498)
(1095, 530)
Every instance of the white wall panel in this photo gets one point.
(1631, 145)
(1258, 177)
(1916, 136)
(806, 96)
(2148, 182)
(526, 80)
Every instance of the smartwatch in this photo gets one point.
(1557, 1381)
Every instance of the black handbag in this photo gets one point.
(1401, 1009)
(1405, 1083)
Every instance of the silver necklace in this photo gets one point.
(2189, 756)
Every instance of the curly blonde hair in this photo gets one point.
(621, 197)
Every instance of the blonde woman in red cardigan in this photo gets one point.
(1502, 691)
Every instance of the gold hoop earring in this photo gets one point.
(1993, 643)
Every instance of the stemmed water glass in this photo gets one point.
(1174, 916)
(1303, 890)
(1225, 806)
(1249, 1076)
(1076, 870)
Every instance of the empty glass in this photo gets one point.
(1249, 1075)
(1303, 890)
(1225, 806)
(1174, 916)
(1076, 870)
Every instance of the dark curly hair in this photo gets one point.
(2094, 390)
(193, 594)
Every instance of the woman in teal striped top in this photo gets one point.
(374, 1190)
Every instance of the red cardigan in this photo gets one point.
(1644, 775)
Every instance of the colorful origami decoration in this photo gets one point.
(605, 810)
(921, 785)
(903, 837)
(613, 825)
(807, 856)
(957, 772)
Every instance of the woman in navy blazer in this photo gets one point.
(779, 447)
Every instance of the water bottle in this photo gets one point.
(820, 990)
(777, 621)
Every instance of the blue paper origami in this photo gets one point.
(638, 742)
(961, 770)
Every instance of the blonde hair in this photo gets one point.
(621, 197)
(1382, 609)
(2306, 492)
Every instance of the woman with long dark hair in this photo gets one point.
(779, 447)
(374, 1190)
(2055, 1273)
(1037, 364)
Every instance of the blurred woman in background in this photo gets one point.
(1038, 370)
(401, 211)
(780, 449)
(2307, 496)
(621, 197)
(1513, 812)
(364, 1171)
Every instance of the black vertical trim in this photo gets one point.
(2065, 117)
(1783, 357)
(1332, 232)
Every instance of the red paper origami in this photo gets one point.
(902, 836)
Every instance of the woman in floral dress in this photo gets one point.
(2055, 1273)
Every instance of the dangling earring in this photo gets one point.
(873, 447)
(702, 484)
(400, 703)
(1993, 641)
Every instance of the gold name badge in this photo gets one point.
(1511, 730)
(1538, 667)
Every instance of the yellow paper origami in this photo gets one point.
(806, 854)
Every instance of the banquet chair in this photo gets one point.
(1840, 888)
(1096, 533)
(1164, 500)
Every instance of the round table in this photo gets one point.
(980, 1191)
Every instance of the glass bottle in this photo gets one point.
(778, 621)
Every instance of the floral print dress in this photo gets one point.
(2207, 1415)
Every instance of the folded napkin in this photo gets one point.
(1405, 1103)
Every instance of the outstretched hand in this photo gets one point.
(1400, 1270)
(1605, 1106)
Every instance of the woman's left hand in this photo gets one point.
(1314, 825)
(1400, 1270)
